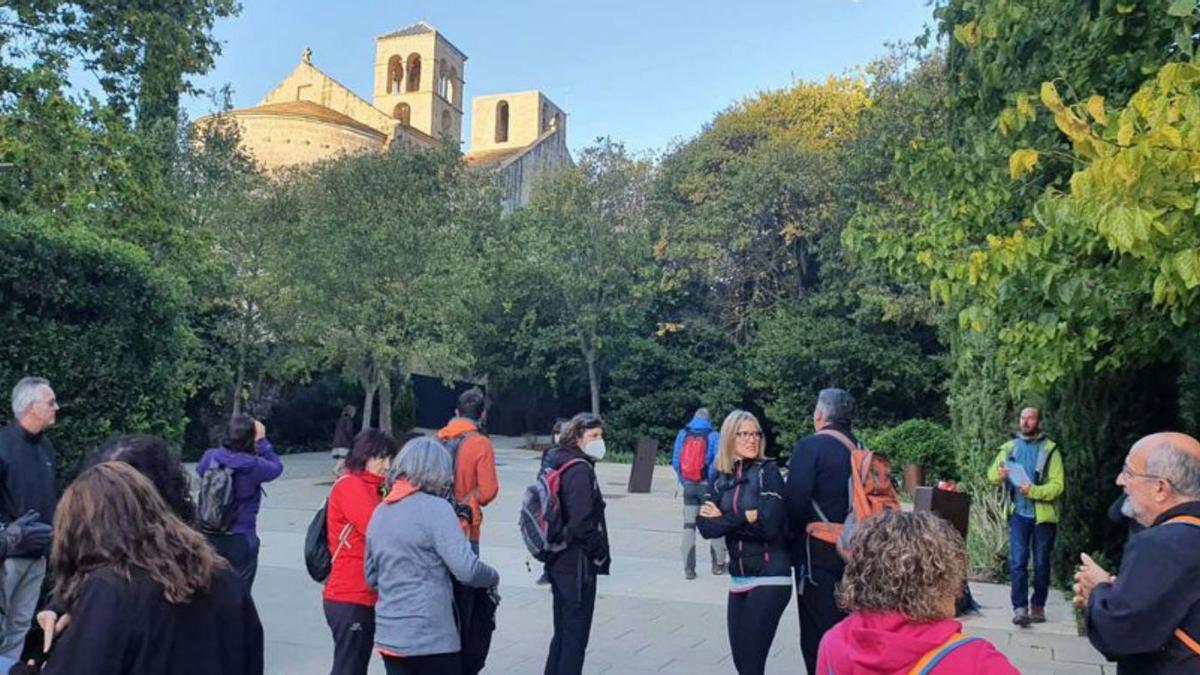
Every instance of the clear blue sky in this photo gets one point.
(645, 72)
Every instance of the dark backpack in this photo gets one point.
(693, 455)
(476, 614)
(215, 510)
(453, 444)
(317, 557)
(541, 513)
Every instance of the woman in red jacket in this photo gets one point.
(349, 602)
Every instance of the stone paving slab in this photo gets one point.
(649, 619)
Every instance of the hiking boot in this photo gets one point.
(719, 569)
(1037, 614)
(1021, 617)
(689, 574)
(544, 579)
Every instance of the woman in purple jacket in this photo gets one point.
(246, 451)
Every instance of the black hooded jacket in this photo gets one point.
(583, 513)
(757, 549)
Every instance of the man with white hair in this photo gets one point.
(1147, 617)
(26, 484)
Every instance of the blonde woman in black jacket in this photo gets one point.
(745, 506)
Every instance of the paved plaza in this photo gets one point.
(648, 618)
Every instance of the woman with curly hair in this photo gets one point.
(901, 584)
(146, 593)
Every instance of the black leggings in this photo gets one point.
(433, 664)
(752, 618)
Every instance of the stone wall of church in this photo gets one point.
(280, 141)
(518, 178)
(306, 83)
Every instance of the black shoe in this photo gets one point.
(544, 579)
(689, 574)
(719, 569)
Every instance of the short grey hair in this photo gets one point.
(836, 406)
(703, 414)
(25, 394)
(426, 464)
(1177, 466)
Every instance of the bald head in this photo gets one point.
(1161, 472)
(1174, 457)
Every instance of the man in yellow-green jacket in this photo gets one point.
(1030, 467)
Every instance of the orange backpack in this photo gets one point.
(871, 492)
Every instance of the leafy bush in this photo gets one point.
(919, 442)
(101, 323)
(806, 346)
(987, 534)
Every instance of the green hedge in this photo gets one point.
(101, 323)
(921, 442)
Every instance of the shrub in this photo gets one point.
(101, 323)
(920, 442)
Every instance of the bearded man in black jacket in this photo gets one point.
(1147, 616)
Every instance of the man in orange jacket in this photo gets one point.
(475, 482)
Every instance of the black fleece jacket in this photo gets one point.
(819, 471)
(26, 474)
(583, 513)
(757, 549)
(126, 626)
(1133, 621)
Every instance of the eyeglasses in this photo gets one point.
(1130, 473)
(747, 435)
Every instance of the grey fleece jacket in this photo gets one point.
(413, 546)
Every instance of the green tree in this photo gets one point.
(379, 266)
(586, 237)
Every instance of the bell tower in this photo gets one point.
(419, 80)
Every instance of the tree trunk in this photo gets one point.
(239, 382)
(385, 402)
(589, 355)
(368, 402)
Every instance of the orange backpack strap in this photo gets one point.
(1187, 640)
(934, 656)
(1179, 632)
(841, 438)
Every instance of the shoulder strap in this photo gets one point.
(1187, 640)
(935, 655)
(1185, 520)
(841, 438)
(568, 464)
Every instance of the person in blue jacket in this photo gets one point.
(698, 436)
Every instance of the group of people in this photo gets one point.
(138, 588)
(886, 602)
(884, 609)
(143, 583)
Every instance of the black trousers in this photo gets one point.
(241, 550)
(818, 609)
(353, 628)
(752, 617)
(433, 664)
(574, 605)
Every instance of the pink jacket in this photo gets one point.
(887, 643)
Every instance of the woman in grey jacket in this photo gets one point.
(414, 544)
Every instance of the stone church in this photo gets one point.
(417, 102)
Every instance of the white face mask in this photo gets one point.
(595, 449)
